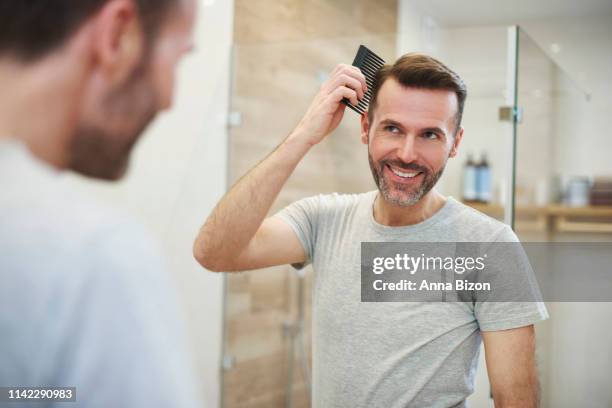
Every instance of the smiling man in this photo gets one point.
(381, 354)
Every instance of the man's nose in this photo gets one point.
(406, 152)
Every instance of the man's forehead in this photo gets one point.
(416, 106)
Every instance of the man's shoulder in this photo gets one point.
(41, 203)
(51, 230)
(341, 201)
(62, 215)
(330, 202)
(478, 226)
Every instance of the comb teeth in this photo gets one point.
(369, 64)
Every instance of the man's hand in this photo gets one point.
(510, 356)
(326, 111)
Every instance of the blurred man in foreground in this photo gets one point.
(84, 299)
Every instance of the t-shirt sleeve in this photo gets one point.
(303, 216)
(126, 342)
(518, 301)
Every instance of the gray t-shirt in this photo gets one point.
(85, 300)
(393, 354)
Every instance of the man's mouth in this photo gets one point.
(404, 174)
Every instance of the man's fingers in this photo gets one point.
(351, 82)
(360, 77)
(347, 82)
(352, 72)
(345, 92)
(340, 67)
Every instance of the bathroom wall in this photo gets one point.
(283, 51)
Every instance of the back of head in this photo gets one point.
(111, 82)
(30, 29)
(421, 71)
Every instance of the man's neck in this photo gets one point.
(38, 104)
(395, 216)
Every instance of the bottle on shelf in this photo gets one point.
(469, 179)
(483, 180)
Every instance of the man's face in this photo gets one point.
(411, 137)
(107, 133)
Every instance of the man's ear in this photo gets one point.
(365, 128)
(118, 40)
(456, 142)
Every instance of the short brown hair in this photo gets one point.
(31, 29)
(421, 71)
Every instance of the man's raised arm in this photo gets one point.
(237, 235)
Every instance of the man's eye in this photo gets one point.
(430, 135)
(392, 129)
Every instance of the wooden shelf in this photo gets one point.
(554, 218)
(589, 211)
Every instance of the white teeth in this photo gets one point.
(404, 175)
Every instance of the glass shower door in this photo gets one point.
(551, 179)
(559, 170)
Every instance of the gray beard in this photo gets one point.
(413, 197)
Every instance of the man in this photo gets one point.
(84, 299)
(381, 354)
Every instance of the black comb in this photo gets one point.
(369, 64)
